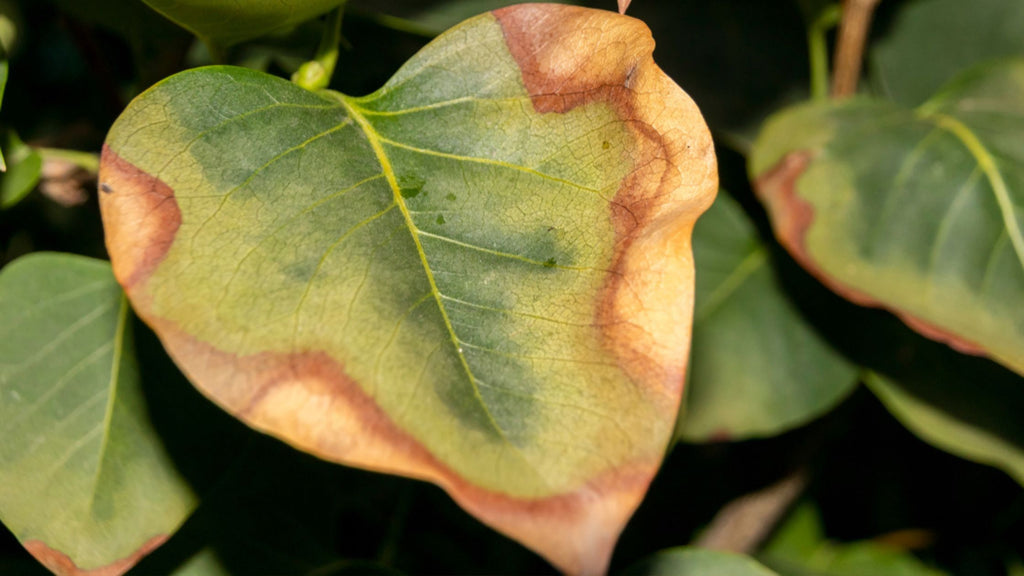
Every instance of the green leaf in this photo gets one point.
(85, 483)
(915, 211)
(750, 341)
(23, 172)
(799, 548)
(479, 275)
(960, 413)
(4, 66)
(931, 41)
(697, 562)
(228, 22)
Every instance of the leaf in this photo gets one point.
(974, 419)
(85, 483)
(929, 42)
(799, 548)
(228, 22)
(750, 341)
(915, 211)
(479, 275)
(697, 562)
(24, 169)
(4, 67)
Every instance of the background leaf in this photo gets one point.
(697, 562)
(750, 342)
(917, 212)
(799, 548)
(928, 42)
(227, 22)
(24, 166)
(84, 479)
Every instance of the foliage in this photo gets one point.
(480, 275)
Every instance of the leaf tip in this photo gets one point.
(61, 564)
(623, 6)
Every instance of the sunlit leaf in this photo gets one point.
(916, 211)
(228, 22)
(697, 562)
(479, 275)
(85, 482)
(750, 341)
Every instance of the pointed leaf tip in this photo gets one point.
(623, 5)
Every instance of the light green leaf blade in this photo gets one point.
(977, 421)
(750, 341)
(23, 172)
(918, 211)
(4, 68)
(479, 275)
(697, 562)
(85, 483)
(228, 22)
(799, 548)
(929, 42)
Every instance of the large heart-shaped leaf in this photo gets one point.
(228, 22)
(479, 275)
(750, 341)
(85, 482)
(917, 211)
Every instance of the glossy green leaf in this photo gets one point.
(931, 41)
(697, 562)
(85, 482)
(799, 548)
(479, 275)
(915, 211)
(24, 167)
(750, 341)
(954, 410)
(227, 22)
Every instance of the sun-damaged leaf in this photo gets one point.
(228, 22)
(750, 341)
(977, 421)
(799, 548)
(929, 42)
(85, 483)
(917, 211)
(479, 275)
(697, 562)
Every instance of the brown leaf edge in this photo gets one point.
(61, 564)
(308, 400)
(791, 218)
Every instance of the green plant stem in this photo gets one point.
(817, 46)
(316, 74)
(85, 160)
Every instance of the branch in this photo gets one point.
(853, 33)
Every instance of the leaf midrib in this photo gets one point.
(375, 143)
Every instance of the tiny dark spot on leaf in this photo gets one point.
(550, 263)
(450, 196)
(410, 186)
(105, 188)
(440, 220)
(606, 145)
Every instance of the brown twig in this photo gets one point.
(745, 522)
(853, 33)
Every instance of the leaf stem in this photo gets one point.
(316, 74)
(853, 32)
(87, 161)
(817, 47)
